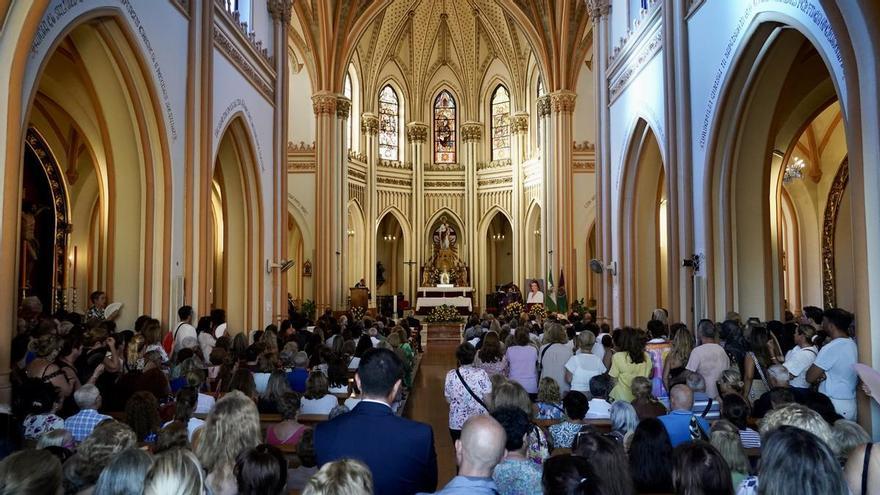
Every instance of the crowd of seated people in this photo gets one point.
(560, 406)
(197, 407)
(737, 407)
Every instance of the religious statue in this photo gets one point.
(380, 274)
(444, 278)
(444, 260)
(30, 244)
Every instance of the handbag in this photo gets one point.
(470, 391)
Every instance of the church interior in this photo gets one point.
(402, 158)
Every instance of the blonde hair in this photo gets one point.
(512, 394)
(586, 340)
(682, 345)
(848, 435)
(109, 438)
(555, 334)
(46, 346)
(175, 472)
(343, 477)
(641, 387)
(725, 438)
(232, 427)
(548, 391)
(731, 378)
(802, 417)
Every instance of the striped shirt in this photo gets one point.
(750, 439)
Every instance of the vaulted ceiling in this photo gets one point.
(421, 36)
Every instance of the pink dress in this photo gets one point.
(293, 439)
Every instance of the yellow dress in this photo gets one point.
(624, 370)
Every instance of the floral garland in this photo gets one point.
(538, 312)
(513, 310)
(444, 314)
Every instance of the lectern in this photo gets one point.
(359, 297)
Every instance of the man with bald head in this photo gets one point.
(479, 449)
(678, 421)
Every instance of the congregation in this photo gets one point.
(559, 406)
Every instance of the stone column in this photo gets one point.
(280, 12)
(326, 149)
(562, 106)
(417, 135)
(343, 109)
(370, 129)
(600, 11)
(519, 127)
(471, 135)
(547, 154)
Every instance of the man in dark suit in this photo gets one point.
(399, 452)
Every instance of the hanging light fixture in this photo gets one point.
(389, 237)
(498, 237)
(794, 170)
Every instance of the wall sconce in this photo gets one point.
(350, 233)
(537, 232)
(498, 237)
(389, 237)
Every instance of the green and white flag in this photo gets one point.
(561, 297)
(550, 293)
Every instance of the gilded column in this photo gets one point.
(370, 129)
(519, 126)
(600, 11)
(324, 105)
(280, 12)
(471, 135)
(343, 110)
(417, 135)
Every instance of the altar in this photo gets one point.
(458, 297)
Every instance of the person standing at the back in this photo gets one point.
(399, 452)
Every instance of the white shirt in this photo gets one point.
(837, 359)
(797, 361)
(535, 298)
(182, 331)
(205, 404)
(319, 406)
(584, 367)
(599, 409)
(207, 343)
(598, 348)
(261, 381)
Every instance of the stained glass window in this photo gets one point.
(346, 90)
(444, 128)
(500, 123)
(389, 123)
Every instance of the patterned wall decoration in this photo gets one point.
(829, 226)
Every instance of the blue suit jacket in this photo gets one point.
(399, 452)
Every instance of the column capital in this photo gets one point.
(598, 9)
(417, 132)
(280, 10)
(324, 102)
(343, 106)
(543, 105)
(471, 131)
(370, 123)
(519, 122)
(562, 101)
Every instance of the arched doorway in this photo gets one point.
(771, 176)
(97, 110)
(236, 207)
(498, 258)
(295, 252)
(644, 230)
(390, 255)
